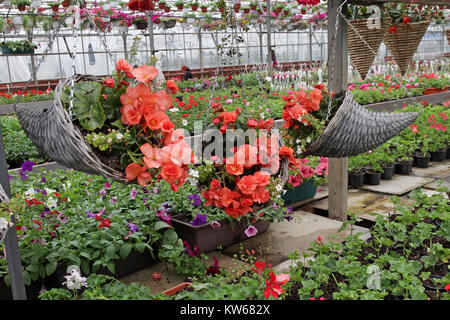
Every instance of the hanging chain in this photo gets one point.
(38, 65)
(76, 28)
(102, 35)
(332, 58)
(339, 11)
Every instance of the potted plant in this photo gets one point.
(373, 171)
(179, 4)
(18, 47)
(241, 186)
(204, 7)
(303, 182)
(194, 5)
(237, 6)
(167, 8)
(162, 4)
(65, 3)
(253, 5)
(356, 171)
(55, 6)
(21, 4)
(423, 156)
(140, 23)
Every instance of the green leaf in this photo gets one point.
(161, 225)
(140, 246)
(50, 267)
(111, 266)
(86, 104)
(86, 255)
(85, 267)
(125, 250)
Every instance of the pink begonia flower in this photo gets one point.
(214, 224)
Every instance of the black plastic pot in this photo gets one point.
(403, 167)
(448, 152)
(388, 172)
(439, 155)
(357, 179)
(423, 162)
(373, 178)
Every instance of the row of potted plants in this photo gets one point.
(426, 140)
(405, 258)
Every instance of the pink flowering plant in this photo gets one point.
(312, 169)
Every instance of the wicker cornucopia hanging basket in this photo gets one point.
(360, 54)
(403, 42)
(54, 133)
(354, 130)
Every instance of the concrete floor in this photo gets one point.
(309, 222)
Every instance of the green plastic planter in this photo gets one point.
(304, 191)
(6, 51)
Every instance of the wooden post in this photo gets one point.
(11, 242)
(338, 176)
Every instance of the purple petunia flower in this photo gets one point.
(113, 200)
(133, 193)
(23, 176)
(9, 177)
(90, 214)
(199, 220)
(102, 193)
(195, 198)
(133, 227)
(251, 231)
(27, 166)
(43, 180)
(214, 224)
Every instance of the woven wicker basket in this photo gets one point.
(53, 132)
(404, 43)
(354, 130)
(361, 56)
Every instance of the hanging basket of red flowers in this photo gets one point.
(246, 166)
(116, 127)
(342, 130)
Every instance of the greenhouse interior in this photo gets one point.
(224, 150)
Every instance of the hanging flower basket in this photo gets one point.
(354, 130)
(88, 140)
(361, 56)
(403, 40)
(346, 129)
(447, 33)
(170, 23)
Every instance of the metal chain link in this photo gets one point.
(38, 65)
(332, 58)
(73, 56)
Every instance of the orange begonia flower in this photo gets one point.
(145, 73)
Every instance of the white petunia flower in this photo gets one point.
(74, 280)
(51, 202)
(268, 79)
(193, 173)
(184, 122)
(279, 187)
(50, 191)
(308, 140)
(299, 150)
(119, 136)
(174, 110)
(29, 194)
